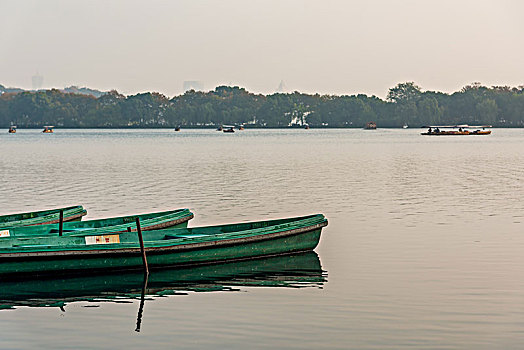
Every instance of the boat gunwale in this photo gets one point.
(66, 219)
(161, 225)
(48, 211)
(97, 231)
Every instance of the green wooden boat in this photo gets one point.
(42, 217)
(150, 221)
(301, 270)
(77, 253)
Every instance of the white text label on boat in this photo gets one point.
(105, 239)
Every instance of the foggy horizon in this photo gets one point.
(333, 47)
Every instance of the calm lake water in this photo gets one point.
(424, 247)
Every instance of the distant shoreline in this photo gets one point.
(406, 104)
(245, 128)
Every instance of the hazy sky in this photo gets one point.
(335, 47)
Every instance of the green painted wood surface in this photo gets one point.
(103, 226)
(40, 217)
(168, 247)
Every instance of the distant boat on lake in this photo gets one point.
(12, 129)
(48, 129)
(454, 130)
(370, 126)
(405, 126)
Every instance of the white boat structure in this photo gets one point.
(455, 130)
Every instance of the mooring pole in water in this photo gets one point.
(61, 222)
(142, 249)
(142, 300)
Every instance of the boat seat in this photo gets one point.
(184, 236)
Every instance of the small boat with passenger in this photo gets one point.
(453, 130)
(12, 129)
(370, 126)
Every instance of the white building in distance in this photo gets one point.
(282, 88)
(193, 85)
(37, 81)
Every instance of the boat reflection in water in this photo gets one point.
(289, 271)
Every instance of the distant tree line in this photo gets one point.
(406, 103)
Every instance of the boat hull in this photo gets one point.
(45, 262)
